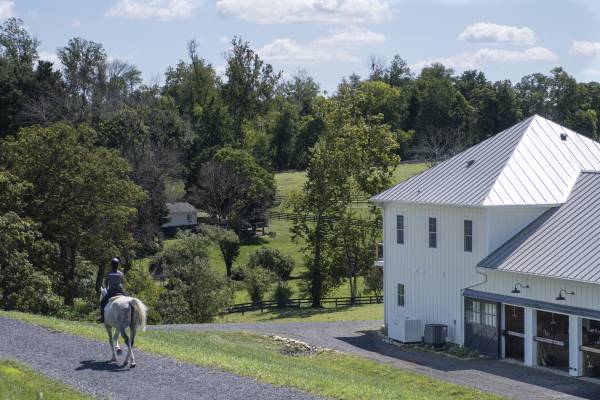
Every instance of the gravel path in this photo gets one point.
(82, 364)
(506, 379)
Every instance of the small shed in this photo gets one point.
(182, 215)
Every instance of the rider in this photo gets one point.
(114, 280)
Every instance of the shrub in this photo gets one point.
(282, 295)
(258, 281)
(272, 260)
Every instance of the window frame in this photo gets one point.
(468, 236)
(432, 235)
(400, 229)
(401, 295)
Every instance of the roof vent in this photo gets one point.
(563, 137)
(470, 163)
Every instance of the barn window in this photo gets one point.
(189, 218)
(432, 233)
(400, 229)
(401, 294)
(468, 234)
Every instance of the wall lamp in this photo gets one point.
(560, 297)
(518, 285)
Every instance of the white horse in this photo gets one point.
(123, 312)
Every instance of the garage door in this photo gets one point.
(482, 326)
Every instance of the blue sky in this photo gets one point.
(330, 38)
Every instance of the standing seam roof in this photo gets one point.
(526, 164)
(562, 242)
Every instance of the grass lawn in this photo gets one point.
(18, 382)
(289, 182)
(357, 313)
(329, 374)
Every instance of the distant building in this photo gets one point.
(182, 215)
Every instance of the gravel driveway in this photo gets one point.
(500, 377)
(82, 364)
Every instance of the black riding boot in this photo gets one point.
(101, 318)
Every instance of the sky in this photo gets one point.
(329, 39)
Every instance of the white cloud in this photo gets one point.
(52, 57)
(584, 48)
(76, 23)
(6, 9)
(482, 56)
(336, 47)
(592, 71)
(164, 10)
(489, 32)
(323, 11)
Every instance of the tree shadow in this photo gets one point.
(273, 314)
(95, 365)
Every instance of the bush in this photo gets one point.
(173, 307)
(194, 292)
(258, 282)
(139, 283)
(272, 260)
(282, 295)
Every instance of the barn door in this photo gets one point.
(482, 326)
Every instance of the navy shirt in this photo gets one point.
(115, 281)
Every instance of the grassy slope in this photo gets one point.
(328, 374)
(20, 382)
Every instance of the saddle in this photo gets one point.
(113, 298)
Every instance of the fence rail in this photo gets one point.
(333, 302)
(286, 216)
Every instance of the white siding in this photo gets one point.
(181, 219)
(587, 295)
(505, 222)
(433, 278)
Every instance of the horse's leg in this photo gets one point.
(110, 341)
(116, 339)
(124, 334)
(132, 331)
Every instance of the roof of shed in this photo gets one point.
(181, 207)
(526, 164)
(562, 242)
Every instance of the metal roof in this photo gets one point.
(526, 164)
(562, 242)
(181, 207)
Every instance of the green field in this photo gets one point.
(281, 239)
(329, 374)
(18, 382)
(357, 313)
(290, 182)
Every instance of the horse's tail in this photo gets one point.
(138, 313)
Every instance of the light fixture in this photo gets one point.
(560, 297)
(519, 284)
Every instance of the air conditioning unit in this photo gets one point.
(413, 330)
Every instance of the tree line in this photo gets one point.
(90, 153)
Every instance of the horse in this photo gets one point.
(123, 312)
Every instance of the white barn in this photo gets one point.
(501, 243)
(182, 215)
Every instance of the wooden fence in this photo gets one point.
(286, 216)
(332, 302)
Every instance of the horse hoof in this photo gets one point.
(132, 365)
(119, 352)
